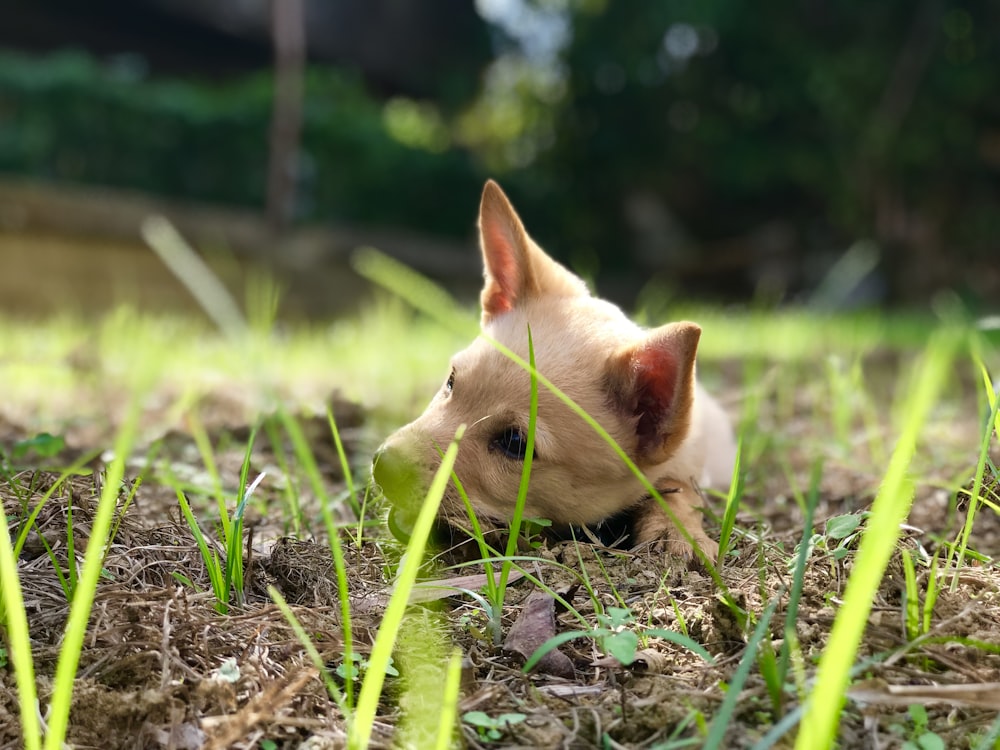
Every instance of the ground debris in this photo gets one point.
(534, 626)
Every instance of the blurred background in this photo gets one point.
(837, 154)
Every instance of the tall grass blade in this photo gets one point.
(290, 491)
(733, 498)
(204, 445)
(345, 468)
(992, 426)
(889, 510)
(419, 291)
(194, 273)
(83, 597)
(306, 459)
(234, 539)
(449, 707)
(522, 490)
(26, 526)
(911, 610)
(314, 655)
(371, 687)
(799, 572)
(15, 623)
(991, 739)
(208, 556)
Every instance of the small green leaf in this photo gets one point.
(622, 646)
(43, 444)
(619, 617)
(840, 527)
(478, 719)
(348, 672)
(918, 714)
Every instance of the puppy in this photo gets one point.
(638, 384)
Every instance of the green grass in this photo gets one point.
(53, 378)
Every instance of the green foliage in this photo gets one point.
(736, 113)
(67, 117)
(42, 445)
(619, 637)
(371, 688)
(918, 733)
(844, 123)
(889, 509)
(720, 723)
(356, 665)
(225, 572)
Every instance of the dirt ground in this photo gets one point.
(162, 668)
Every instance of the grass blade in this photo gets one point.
(15, 622)
(307, 460)
(799, 573)
(371, 687)
(732, 503)
(522, 490)
(234, 539)
(314, 655)
(208, 556)
(449, 707)
(194, 273)
(975, 495)
(83, 597)
(717, 730)
(889, 510)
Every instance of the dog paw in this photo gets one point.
(676, 546)
(679, 547)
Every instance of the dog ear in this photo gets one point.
(652, 381)
(506, 253)
(515, 268)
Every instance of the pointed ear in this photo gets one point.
(515, 268)
(506, 253)
(653, 383)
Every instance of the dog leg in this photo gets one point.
(652, 525)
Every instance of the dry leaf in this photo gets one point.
(534, 626)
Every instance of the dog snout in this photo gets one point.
(399, 476)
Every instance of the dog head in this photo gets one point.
(638, 385)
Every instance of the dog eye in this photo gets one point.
(450, 385)
(512, 442)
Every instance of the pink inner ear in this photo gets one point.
(655, 386)
(504, 275)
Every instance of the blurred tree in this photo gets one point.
(715, 145)
(288, 33)
(766, 129)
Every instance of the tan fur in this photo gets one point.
(638, 384)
